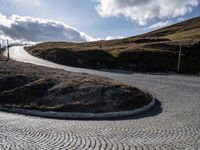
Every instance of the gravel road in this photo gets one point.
(173, 125)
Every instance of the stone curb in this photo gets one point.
(66, 115)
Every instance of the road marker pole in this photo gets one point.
(179, 59)
(7, 45)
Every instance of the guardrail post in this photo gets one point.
(7, 47)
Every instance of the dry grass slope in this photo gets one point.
(155, 51)
(32, 87)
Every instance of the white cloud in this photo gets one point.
(112, 38)
(180, 19)
(109, 38)
(144, 11)
(4, 21)
(159, 25)
(38, 30)
(20, 3)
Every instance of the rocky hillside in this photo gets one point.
(156, 51)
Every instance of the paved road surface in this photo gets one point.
(176, 127)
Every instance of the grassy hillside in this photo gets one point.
(154, 51)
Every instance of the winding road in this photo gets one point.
(176, 126)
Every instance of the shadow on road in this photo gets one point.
(144, 73)
(156, 110)
(135, 72)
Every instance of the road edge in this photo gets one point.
(68, 115)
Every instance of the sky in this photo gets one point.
(88, 20)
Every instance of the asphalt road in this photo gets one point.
(173, 125)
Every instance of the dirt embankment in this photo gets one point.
(39, 88)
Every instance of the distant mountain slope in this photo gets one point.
(153, 51)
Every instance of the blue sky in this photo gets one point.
(103, 18)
